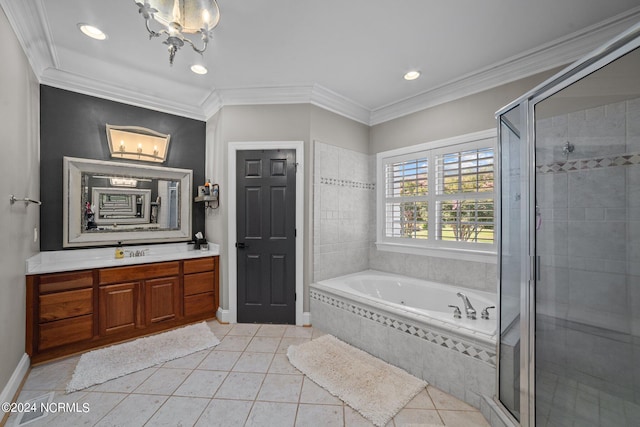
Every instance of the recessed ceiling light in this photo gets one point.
(412, 75)
(199, 69)
(91, 31)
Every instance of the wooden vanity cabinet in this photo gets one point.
(76, 311)
(135, 297)
(200, 286)
(60, 309)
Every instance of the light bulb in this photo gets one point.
(412, 75)
(91, 31)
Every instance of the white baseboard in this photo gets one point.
(18, 375)
(306, 318)
(223, 316)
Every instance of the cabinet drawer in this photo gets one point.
(65, 281)
(60, 332)
(198, 283)
(62, 305)
(139, 272)
(199, 304)
(198, 265)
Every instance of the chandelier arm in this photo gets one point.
(153, 33)
(193, 46)
(175, 38)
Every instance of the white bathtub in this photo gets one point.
(421, 300)
(407, 323)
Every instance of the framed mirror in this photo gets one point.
(110, 202)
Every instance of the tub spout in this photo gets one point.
(471, 312)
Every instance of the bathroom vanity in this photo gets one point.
(82, 299)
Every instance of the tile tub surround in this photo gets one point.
(84, 259)
(463, 366)
(247, 380)
(343, 190)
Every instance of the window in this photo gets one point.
(438, 195)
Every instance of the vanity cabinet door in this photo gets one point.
(200, 287)
(59, 310)
(119, 308)
(162, 299)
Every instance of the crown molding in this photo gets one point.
(311, 94)
(542, 58)
(265, 95)
(212, 104)
(331, 101)
(81, 84)
(27, 18)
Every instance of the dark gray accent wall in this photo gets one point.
(73, 124)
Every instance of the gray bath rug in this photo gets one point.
(99, 366)
(369, 385)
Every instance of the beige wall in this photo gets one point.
(462, 116)
(465, 115)
(337, 130)
(308, 123)
(19, 174)
(297, 122)
(251, 123)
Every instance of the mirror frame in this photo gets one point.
(130, 192)
(72, 206)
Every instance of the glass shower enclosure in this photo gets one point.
(569, 151)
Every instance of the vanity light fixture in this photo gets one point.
(137, 143)
(412, 75)
(178, 18)
(123, 182)
(91, 31)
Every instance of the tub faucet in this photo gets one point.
(471, 312)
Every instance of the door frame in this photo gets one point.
(234, 147)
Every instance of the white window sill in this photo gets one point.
(490, 256)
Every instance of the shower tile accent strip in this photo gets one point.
(347, 183)
(588, 164)
(403, 326)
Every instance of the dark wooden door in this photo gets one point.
(265, 214)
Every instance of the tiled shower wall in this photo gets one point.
(589, 242)
(343, 192)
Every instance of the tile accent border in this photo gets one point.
(467, 349)
(347, 183)
(590, 164)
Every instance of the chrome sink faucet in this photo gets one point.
(468, 308)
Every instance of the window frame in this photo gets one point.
(472, 251)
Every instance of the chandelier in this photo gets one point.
(180, 17)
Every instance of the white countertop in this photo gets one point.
(85, 259)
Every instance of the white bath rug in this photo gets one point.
(369, 385)
(99, 366)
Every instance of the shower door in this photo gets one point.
(569, 345)
(511, 190)
(587, 235)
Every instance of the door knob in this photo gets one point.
(241, 245)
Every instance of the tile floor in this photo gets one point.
(247, 380)
(563, 401)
